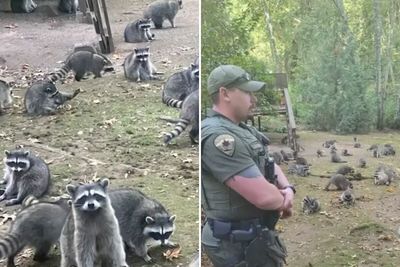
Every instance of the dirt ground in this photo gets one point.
(112, 128)
(364, 235)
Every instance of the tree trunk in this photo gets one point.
(378, 65)
(268, 25)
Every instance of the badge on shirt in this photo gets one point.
(225, 143)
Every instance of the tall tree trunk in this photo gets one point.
(272, 43)
(378, 64)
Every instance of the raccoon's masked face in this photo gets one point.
(17, 160)
(89, 197)
(142, 55)
(194, 71)
(159, 228)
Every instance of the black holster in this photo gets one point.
(270, 170)
(267, 249)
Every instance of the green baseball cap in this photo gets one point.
(230, 76)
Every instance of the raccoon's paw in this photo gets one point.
(167, 139)
(11, 202)
(148, 259)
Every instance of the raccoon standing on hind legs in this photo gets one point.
(91, 233)
(189, 115)
(24, 174)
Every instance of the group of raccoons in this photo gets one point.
(181, 90)
(94, 225)
(384, 175)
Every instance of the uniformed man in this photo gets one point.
(241, 202)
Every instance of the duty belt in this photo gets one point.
(240, 231)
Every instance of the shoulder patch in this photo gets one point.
(225, 143)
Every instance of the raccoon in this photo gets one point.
(329, 143)
(300, 170)
(189, 115)
(138, 66)
(340, 182)
(287, 156)
(25, 174)
(277, 157)
(39, 226)
(373, 147)
(376, 153)
(91, 233)
(362, 163)
(346, 153)
(300, 160)
(82, 62)
(138, 31)
(320, 153)
(18, 6)
(388, 150)
(68, 6)
(160, 10)
(384, 175)
(143, 221)
(345, 170)
(310, 205)
(85, 47)
(335, 158)
(179, 85)
(5, 96)
(43, 98)
(347, 197)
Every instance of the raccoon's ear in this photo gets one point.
(7, 153)
(69, 202)
(27, 153)
(71, 189)
(172, 218)
(104, 183)
(192, 66)
(136, 50)
(149, 220)
(147, 48)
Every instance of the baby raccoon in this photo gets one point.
(39, 226)
(91, 233)
(347, 197)
(384, 175)
(287, 156)
(320, 153)
(335, 158)
(310, 205)
(160, 10)
(138, 31)
(138, 66)
(362, 163)
(25, 174)
(329, 143)
(5, 96)
(346, 153)
(143, 221)
(340, 181)
(43, 98)
(179, 85)
(277, 157)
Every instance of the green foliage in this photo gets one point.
(330, 62)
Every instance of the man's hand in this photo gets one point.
(288, 198)
(286, 213)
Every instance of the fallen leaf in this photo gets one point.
(171, 254)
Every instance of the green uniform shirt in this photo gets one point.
(228, 149)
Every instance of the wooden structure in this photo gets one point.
(285, 108)
(96, 11)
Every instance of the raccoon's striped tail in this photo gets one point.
(29, 200)
(10, 244)
(169, 101)
(179, 128)
(59, 74)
